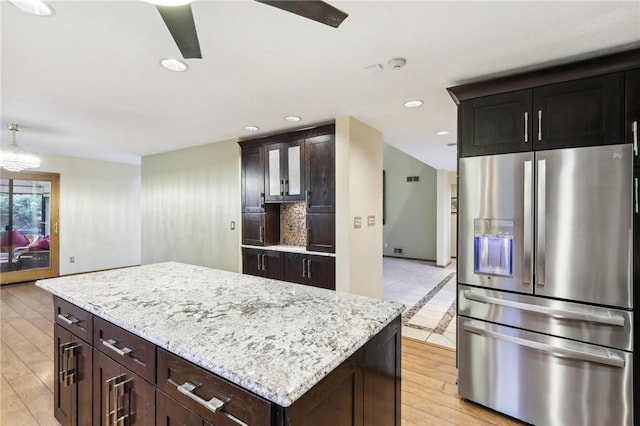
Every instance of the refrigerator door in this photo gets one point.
(541, 379)
(583, 224)
(495, 225)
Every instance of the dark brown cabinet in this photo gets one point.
(263, 263)
(632, 110)
(320, 161)
(496, 124)
(321, 232)
(261, 229)
(284, 171)
(316, 271)
(253, 196)
(171, 413)
(120, 396)
(584, 112)
(73, 359)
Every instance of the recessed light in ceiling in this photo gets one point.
(251, 128)
(169, 2)
(292, 118)
(35, 7)
(413, 104)
(443, 133)
(174, 65)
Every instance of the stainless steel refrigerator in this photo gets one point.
(545, 285)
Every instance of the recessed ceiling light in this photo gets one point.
(169, 2)
(174, 65)
(35, 7)
(443, 133)
(251, 128)
(292, 118)
(413, 104)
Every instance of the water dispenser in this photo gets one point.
(493, 247)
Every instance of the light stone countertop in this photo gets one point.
(290, 249)
(273, 338)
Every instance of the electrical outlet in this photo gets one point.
(72, 259)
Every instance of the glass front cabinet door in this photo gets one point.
(284, 171)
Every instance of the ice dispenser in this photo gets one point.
(493, 247)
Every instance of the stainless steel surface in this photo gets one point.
(111, 344)
(214, 404)
(617, 320)
(68, 319)
(526, 127)
(635, 193)
(492, 187)
(541, 208)
(585, 232)
(539, 125)
(538, 379)
(527, 259)
(600, 326)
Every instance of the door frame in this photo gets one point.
(54, 236)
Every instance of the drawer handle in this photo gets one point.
(111, 344)
(69, 319)
(214, 404)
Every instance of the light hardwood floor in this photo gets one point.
(429, 392)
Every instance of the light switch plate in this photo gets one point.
(371, 220)
(357, 222)
(233, 225)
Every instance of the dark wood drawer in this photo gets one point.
(76, 320)
(132, 351)
(175, 376)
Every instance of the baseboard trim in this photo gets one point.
(409, 258)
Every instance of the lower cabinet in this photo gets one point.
(263, 263)
(72, 385)
(120, 396)
(171, 412)
(317, 271)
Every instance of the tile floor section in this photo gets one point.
(429, 293)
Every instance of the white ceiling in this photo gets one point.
(87, 81)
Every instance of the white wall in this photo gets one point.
(189, 198)
(99, 213)
(359, 158)
(410, 207)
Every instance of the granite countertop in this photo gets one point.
(291, 249)
(273, 338)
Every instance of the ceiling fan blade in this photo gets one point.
(179, 21)
(318, 11)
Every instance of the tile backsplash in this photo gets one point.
(293, 224)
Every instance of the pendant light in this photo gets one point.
(15, 158)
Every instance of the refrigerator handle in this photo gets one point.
(540, 220)
(612, 360)
(527, 226)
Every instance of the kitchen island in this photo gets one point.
(221, 348)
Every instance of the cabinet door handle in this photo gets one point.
(259, 263)
(539, 124)
(635, 189)
(67, 371)
(286, 187)
(214, 404)
(307, 198)
(304, 268)
(526, 127)
(118, 389)
(261, 232)
(69, 319)
(309, 268)
(264, 262)
(262, 200)
(111, 344)
(634, 130)
(281, 187)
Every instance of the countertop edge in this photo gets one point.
(290, 249)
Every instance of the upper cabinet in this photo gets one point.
(632, 109)
(496, 124)
(320, 160)
(253, 196)
(583, 112)
(591, 102)
(284, 173)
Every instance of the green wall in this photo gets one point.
(410, 207)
